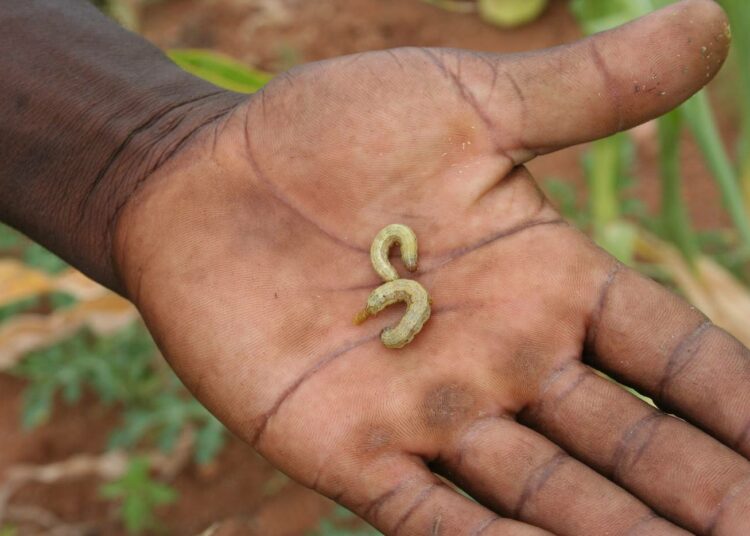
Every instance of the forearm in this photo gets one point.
(87, 112)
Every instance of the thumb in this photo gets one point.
(546, 100)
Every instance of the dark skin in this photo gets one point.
(246, 250)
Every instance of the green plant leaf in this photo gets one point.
(11, 310)
(565, 198)
(618, 238)
(37, 404)
(9, 238)
(220, 70)
(37, 256)
(139, 495)
(510, 13)
(596, 16)
(8, 530)
(209, 440)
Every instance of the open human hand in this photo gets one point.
(247, 253)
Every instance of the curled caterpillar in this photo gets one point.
(394, 289)
(417, 310)
(396, 233)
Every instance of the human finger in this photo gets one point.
(520, 473)
(399, 496)
(673, 467)
(544, 100)
(653, 340)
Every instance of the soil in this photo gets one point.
(240, 488)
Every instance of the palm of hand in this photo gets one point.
(270, 217)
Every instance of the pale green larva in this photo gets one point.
(395, 290)
(396, 233)
(417, 310)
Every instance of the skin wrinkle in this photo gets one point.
(572, 386)
(548, 383)
(407, 215)
(472, 430)
(418, 501)
(291, 389)
(457, 253)
(463, 91)
(181, 143)
(288, 76)
(522, 145)
(484, 525)
(284, 201)
(682, 355)
(219, 127)
(552, 378)
(394, 56)
(743, 437)
(143, 127)
(635, 529)
(262, 94)
(352, 58)
(493, 69)
(319, 473)
(516, 87)
(164, 158)
(618, 463)
(609, 82)
(372, 509)
(724, 503)
(601, 302)
(536, 481)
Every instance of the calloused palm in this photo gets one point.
(247, 253)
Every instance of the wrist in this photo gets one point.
(164, 130)
(88, 111)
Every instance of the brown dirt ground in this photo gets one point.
(275, 34)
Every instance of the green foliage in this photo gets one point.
(8, 530)
(9, 238)
(510, 13)
(342, 522)
(220, 70)
(700, 118)
(139, 495)
(115, 367)
(163, 417)
(38, 257)
(596, 16)
(607, 166)
(124, 12)
(122, 369)
(739, 16)
(502, 13)
(673, 222)
(15, 308)
(563, 194)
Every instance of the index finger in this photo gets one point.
(653, 340)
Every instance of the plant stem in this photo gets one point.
(703, 125)
(675, 220)
(739, 17)
(603, 183)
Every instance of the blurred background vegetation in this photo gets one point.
(99, 436)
